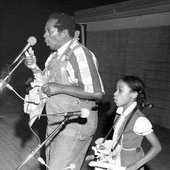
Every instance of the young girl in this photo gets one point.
(127, 152)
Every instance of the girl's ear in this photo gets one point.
(134, 95)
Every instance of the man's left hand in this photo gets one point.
(51, 89)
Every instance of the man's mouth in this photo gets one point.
(47, 43)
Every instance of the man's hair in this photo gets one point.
(64, 21)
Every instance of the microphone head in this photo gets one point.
(85, 112)
(32, 40)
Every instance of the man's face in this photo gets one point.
(53, 38)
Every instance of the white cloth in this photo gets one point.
(34, 104)
(122, 117)
(35, 100)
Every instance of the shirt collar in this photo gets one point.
(127, 111)
(63, 48)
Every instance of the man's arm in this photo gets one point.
(52, 88)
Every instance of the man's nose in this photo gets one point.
(45, 35)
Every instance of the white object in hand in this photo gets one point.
(106, 165)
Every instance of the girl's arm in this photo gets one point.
(154, 150)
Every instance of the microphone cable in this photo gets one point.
(11, 88)
(33, 153)
(38, 115)
(40, 159)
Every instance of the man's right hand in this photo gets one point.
(30, 59)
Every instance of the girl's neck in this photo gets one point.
(128, 105)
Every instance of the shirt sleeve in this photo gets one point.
(142, 126)
(86, 70)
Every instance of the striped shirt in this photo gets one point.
(82, 68)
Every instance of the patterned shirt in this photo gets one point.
(82, 67)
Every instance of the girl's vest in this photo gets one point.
(131, 142)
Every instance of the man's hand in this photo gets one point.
(51, 89)
(30, 59)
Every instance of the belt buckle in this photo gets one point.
(138, 149)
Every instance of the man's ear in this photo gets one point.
(134, 95)
(76, 34)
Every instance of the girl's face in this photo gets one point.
(124, 96)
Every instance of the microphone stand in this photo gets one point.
(53, 133)
(10, 73)
(14, 68)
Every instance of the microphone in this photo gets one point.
(30, 42)
(83, 113)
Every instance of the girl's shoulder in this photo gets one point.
(139, 113)
(142, 125)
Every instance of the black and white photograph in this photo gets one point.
(84, 84)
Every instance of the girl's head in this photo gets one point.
(128, 90)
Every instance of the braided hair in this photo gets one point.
(137, 85)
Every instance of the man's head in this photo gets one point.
(59, 29)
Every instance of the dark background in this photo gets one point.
(20, 19)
